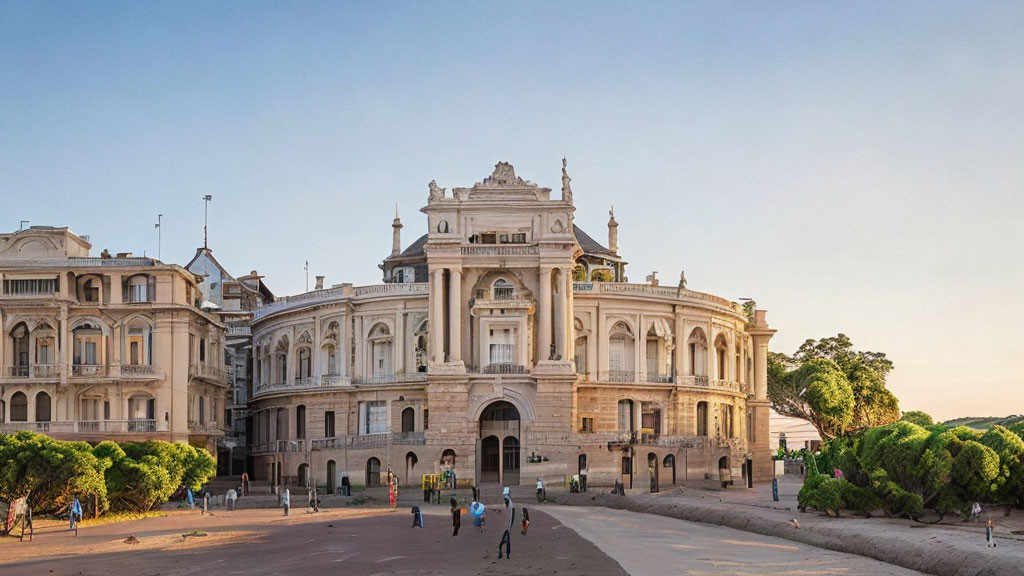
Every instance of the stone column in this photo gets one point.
(760, 447)
(399, 347)
(455, 315)
(680, 349)
(639, 350)
(544, 316)
(315, 352)
(437, 315)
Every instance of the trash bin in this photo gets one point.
(346, 487)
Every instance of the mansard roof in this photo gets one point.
(588, 244)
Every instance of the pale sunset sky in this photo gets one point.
(854, 168)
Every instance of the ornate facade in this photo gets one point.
(506, 344)
(105, 348)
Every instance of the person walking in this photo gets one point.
(190, 498)
(541, 493)
(417, 517)
(391, 492)
(506, 538)
(583, 479)
(231, 496)
(526, 520)
(990, 535)
(456, 516)
(245, 483)
(286, 500)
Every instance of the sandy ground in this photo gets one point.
(364, 542)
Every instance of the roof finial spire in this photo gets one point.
(566, 189)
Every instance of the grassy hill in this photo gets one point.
(984, 423)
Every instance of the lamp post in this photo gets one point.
(159, 235)
(206, 214)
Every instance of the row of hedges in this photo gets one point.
(903, 469)
(127, 477)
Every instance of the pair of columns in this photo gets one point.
(453, 322)
(553, 308)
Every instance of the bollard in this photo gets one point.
(775, 489)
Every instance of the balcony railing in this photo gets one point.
(31, 371)
(137, 370)
(84, 426)
(621, 376)
(352, 442)
(208, 427)
(409, 438)
(498, 368)
(378, 379)
(218, 374)
(660, 378)
(83, 370)
(325, 381)
(705, 382)
(239, 331)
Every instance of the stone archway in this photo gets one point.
(499, 443)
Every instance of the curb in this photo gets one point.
(911, 554)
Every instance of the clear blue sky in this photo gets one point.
(854, 169)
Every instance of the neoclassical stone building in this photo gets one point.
(506, 344)
(105, 348)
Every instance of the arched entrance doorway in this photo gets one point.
(499, 444)
(652, 467)
(372, 473)
(332, 476)
(670, 462)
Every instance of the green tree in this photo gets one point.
(1010, 449)
(842, 374)
(50, 472)
(917, 417)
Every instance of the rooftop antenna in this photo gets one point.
(206, 214)
(159, 235)
(306, 267)
(21, 226)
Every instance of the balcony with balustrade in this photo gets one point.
(212, 373)
(384, 379)
(30, 373)
(325, 381)
(86, 427)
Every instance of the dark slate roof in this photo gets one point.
(416, 248)
(588, 244)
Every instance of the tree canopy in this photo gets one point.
(832, 386)
(918, 417)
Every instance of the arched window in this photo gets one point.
(140, 288)
(281, 358)
(503, 290)
(90, 290)
(282, 424)
(19, 407)
(142, 413)
(372, 473)
(380, 350)
(702, 418)
(698, 346)
(139, 343)
(620, 353)
(42, 407)
(20, 336)
(408, 420)
(721, 351)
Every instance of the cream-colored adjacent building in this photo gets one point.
(506, 344)
(97, 348)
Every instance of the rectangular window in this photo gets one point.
(501, 354)
(138, 293)
(503, 238)
(329, 424)
(106, 409)
(32, 287)
(588, 425)
(376, 417)
(627, 465)
(488, 238)
(426, 418)
(134, 356)
(519, 238)
(702, 419)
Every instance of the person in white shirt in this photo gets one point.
(541, 494)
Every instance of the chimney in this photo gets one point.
(396, 234)
(319, 283)
(613, 232)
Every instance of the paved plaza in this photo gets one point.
(562, 540)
